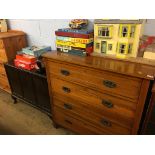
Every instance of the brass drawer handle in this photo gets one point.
(106, 122)
(109, 84)
(108, 104)
(66, 90)
(67, 106)
(67, 121)
(65, 72)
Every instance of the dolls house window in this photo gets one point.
(109, 47)
(132, 32)
(124, 31)
(130, 49)
(122, 48)
(97, 45)
(104, 31)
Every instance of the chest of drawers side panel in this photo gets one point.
(142, 98)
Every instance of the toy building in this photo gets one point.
(117, 37)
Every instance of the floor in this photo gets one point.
(22, 119)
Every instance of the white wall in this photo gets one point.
(42, 32)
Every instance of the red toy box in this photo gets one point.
(24, 65)
(26, 58)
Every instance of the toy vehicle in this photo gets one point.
(78, 23)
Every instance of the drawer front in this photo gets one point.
(1, 44)
(122, 112)
(3, 57)
(4, 84)
(98, 80)
(2, 70)
(89, 110)
(74, 122)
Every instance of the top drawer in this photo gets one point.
(99, 80)
(1, 44)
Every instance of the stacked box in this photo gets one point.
(25, 61)
(74, 41)
(29, 56)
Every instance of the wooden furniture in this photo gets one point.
(29, 86)
(97, 95)
(149, 123)
(10, 43)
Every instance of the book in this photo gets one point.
(74, 35)
(79, 40)
(80, 31)
(73, 44)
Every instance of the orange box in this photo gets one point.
(26, 58)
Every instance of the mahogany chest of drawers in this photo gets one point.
(10, 43)
(96, 95)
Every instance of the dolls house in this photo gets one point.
(117, 37)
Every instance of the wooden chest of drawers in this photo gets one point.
(96, 95)
(10, 43)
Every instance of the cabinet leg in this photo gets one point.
(14, 99)
(55, 125)
(50, 117)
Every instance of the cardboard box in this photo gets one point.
(26, 58)
(36, 51)
(24, 65)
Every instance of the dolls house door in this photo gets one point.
(103, 46)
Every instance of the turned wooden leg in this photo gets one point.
(55, 125)
(15, 99)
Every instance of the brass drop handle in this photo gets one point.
(67, 121)
(108, 104)
(67, 106)
(65, 72)
(109, 84)
(106, 122)
(66, 90)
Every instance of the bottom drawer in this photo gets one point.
(74, 124)
(4, 84)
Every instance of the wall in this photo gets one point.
(42, 32)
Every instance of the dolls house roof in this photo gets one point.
(118, 21)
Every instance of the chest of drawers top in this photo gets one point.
(11, 33)
(133, 69)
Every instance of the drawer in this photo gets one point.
(74, 123)
(89, 111)
(3, 57)
(2, 70)
(99, 80)
(1, 44)
(4, 84)
(77, 124)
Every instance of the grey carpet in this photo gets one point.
(22, 119)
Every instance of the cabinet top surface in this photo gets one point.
(11, 33)
(134, 69)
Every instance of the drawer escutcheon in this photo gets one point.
(67, 106)
(108, 104)
(106, 122)
(65, 72)
(66, 90)
(109, 84)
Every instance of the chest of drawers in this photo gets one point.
(10, 43)
(96, 95)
